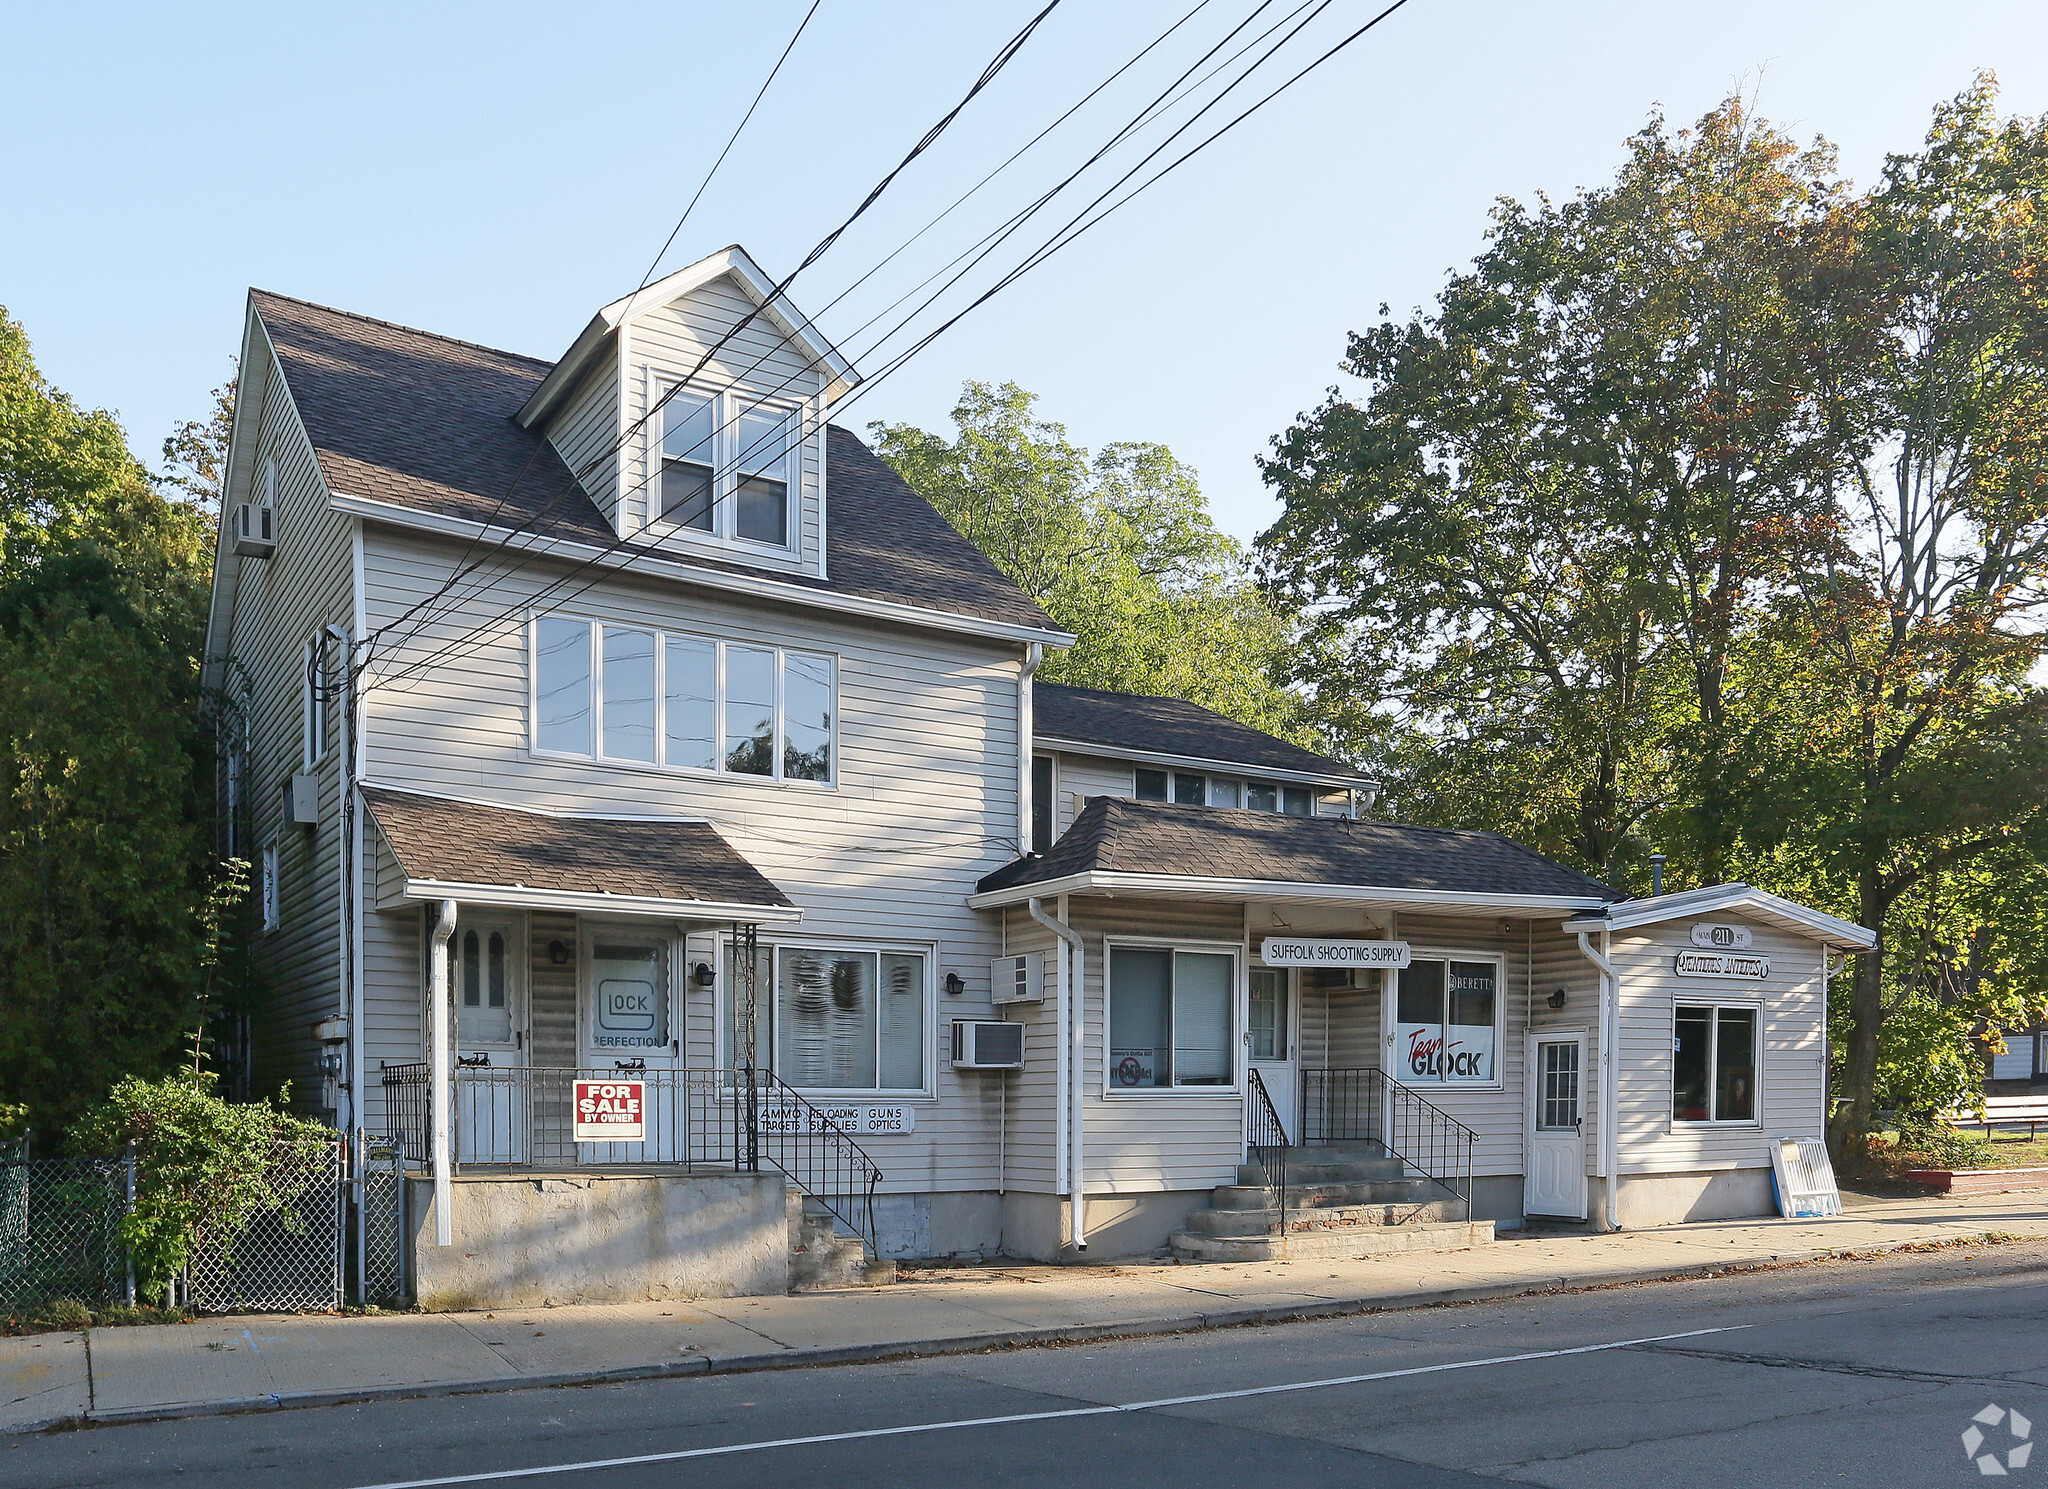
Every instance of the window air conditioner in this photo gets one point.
(983, 1045)
(253, 534)
(1017, 979)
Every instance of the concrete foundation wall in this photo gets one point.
(1667, 1199)
(1035, 1226)
(600, 1238)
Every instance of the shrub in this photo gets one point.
(202, 1165)
(1939, 1145)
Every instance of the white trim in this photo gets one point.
(1233, 1039)
(512, 897)
(1785, 914)
(1674, 1125)
(1107, 881)
(1237, 768)
(643, 563)
(1390, 1019)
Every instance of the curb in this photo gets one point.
(856, 1354)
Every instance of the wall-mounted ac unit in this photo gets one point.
(253, 533)
(1017, 979)
(983, 1045)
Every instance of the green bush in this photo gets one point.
(1942, 1146)
(202, 1165)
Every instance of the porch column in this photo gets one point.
(437, 1072)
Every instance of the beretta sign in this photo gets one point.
(1320, 951)
(611, 1112)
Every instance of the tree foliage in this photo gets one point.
(103, 863)
(1119, 549)
(1706, 512)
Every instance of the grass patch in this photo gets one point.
(69, 1316)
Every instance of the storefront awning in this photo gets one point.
(444, 849)
(1117, 846)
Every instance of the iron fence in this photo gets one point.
(60, 1231)
(289, 1255)
(1365, 1105)
(734, 1120)
(1266, 1147)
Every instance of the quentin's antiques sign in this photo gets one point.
(1320, 951)
(1721, 964)
(1722, 937)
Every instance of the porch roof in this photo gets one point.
(1152, 847)
(484, 854)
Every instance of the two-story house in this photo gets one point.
(653, 803)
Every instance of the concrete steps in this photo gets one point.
(1348, 1201)
(822, 1258)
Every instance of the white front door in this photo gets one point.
(631, 1030)
(1556, 1180)
(487, 981)
(1269, 1041)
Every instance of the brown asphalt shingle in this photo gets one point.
(1155, 837)
(426, 422)
(458, 842)
(1168, 726)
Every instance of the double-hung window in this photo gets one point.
(727, 467)
(1447, 1021)
(837, 1018)
(1170, 1018)
(1713, 1063)
(634, 694)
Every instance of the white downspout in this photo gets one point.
(1034, 653)
(437, 1068)
(1073, 1065)
(1610, 994)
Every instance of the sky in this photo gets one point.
(496, 172)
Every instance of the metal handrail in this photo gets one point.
(519, 1116)
(1365, 1104)
(1266, 1146)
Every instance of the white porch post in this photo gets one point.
(438, 1060)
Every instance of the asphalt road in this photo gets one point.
(1857, 1373)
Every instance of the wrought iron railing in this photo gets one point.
(522, 1116)
(1365, 1105)
(1266, 1150)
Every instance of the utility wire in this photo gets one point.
(1070, 232)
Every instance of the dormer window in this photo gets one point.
(725, 467)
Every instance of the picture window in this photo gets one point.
(1713, 1064)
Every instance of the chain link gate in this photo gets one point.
(380, 1218)
(286, 1258)
(60, 1234)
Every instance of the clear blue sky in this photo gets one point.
(496, 172)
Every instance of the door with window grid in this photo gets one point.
(1555, 1181)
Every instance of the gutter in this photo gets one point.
(1610, 998)
(1072, 1065)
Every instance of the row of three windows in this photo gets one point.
(653, 698)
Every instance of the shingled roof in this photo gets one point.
(439, 841)
(1169, 726)
(1116, 836)
(425, 422)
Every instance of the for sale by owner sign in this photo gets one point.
(611, 1111)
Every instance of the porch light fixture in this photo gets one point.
(558, 953)
(955, 984)
(702, 975)
(1556, 999)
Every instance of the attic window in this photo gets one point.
(725, 467)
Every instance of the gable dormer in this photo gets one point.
(693, 413)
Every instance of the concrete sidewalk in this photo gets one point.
(256, 1362)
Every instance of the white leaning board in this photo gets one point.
(1806, 1179)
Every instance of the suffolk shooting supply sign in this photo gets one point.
(611, 1111)
(1324, 951)
(1721, 964)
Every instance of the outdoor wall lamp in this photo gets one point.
(702, 975)
(1556, 999)
(558, 953)
(955, 984)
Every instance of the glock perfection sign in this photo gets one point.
(611, 1111)
(1321, 951)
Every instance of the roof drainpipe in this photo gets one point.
(438, 1075)
(1610, 996)
(1034, 653)
(1072, 1065)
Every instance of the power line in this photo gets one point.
(1061, 239)
(1000, 235)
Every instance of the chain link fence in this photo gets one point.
(288, 1256)
(380, 1232)
(60, 1235)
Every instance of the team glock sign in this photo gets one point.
(611, 1111)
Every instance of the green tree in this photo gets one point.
(1119, 549)
(103, 864)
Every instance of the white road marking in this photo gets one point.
(1034, 1416)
